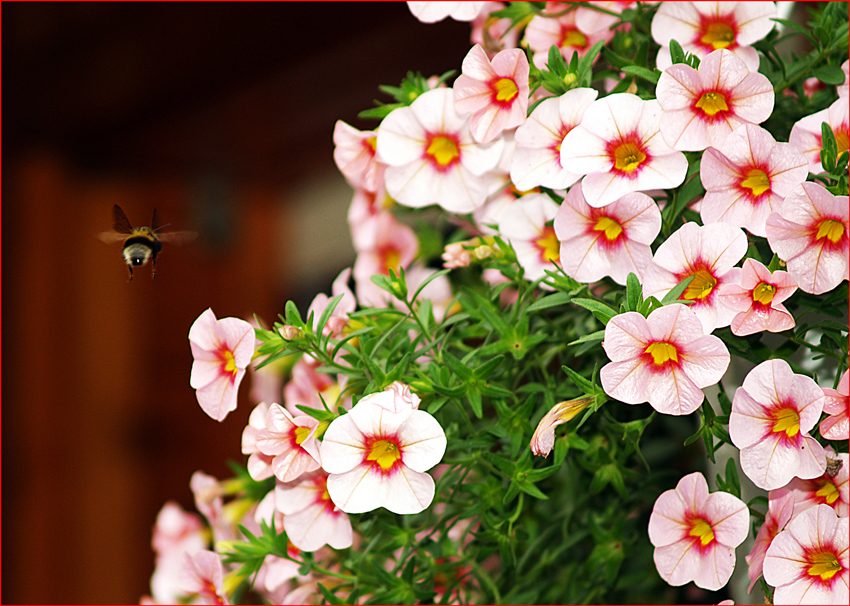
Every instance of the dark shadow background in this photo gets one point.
(221, 116)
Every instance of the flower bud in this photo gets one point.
(544, 436)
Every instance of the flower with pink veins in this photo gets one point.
(202, 577)
(709, 254)
(431, 12)
(758, 300)
(432, 156)
(175, 533)
(291, 441)
(493, 33)
(395, 246)
(695, 533)
(780, 509)
(309, 387)
(810, 233)
(525, 225)
(537, 159)
(702, 106)
(772, 413)
(618, 146)
(259, 465)
(665, 359)
(843, 89)
(546, 30)
(807, 562)
(704, 27)
(364, 209)
(806, 134)
(354, 155)
(747, 177)
(825, 489)
(494, 93)
(609, 241)
(338, 319)
(378, 457)
(590, 20)
(222, 350)
(310, 518)
(836, 426)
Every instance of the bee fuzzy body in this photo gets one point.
(142, 246)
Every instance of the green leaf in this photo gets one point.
(634, 292)
(602, 312)
(559, 298)
(829, 74)
(594, 337)
(642, 72)
(292, 315)
(676, 292)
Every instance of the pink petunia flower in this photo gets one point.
(492, 33)
(844, 88)
(339, 317)
(432, 157)
(543, 31)
(609, 241)
(825, 489)
(619, 148)
(537, 159)
(259, 465)
(702, 106)
(772, 413)
(176, 533)
(525, 225)
(747, 177)
(395, 246)
(495, 94)
(202, 577)
(810, 233)
(704, 27)
(806, 132)
(377, 457)
(290, 441)
(836, 404)
(808, 561)
(709, 253)
(354, 155)
(665, 359)
(222, 350)
(758, 300)
(543, 439)
(310, 518)
(695, 533)
(780, 509)
(431, 12)
(590, 20)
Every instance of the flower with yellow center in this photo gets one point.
(756, 181)
(718, 35)
(712, 103)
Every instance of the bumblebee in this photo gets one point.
(141, 244)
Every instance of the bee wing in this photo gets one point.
(178, 237)
(155, 222)
(120, 222)
(111, 236)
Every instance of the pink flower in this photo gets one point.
(395, 246)
(844, 89)
(620, 150)
(378, 457)
(222, 350)
(590, 20)
(808, 561)
(836, 426)
(354, 155)
(780, 508)
(310, 518)
(704, 27)
(495, 94)
(747, 177)
(339, 317)
(432, 156)
(291, 441)
(701, 107)
(492, 33)
(665, 359)
(203, 576)
(175, 534)
(431, 12)
(259, 464)
(537, 159)
(695, 533)
(525, 225)
(825, 489)
(758, 300)
(806, 132)
(772, 413)
(609, 241)
(543, 31)
(709, 253)
(543, 439)
(810, 233)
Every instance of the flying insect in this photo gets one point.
(141, 244)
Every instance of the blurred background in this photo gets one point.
(221, 117)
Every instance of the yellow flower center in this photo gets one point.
(301, 434)
(573, 37)
(827, 493)
(702, 530)
(229, 362)
(718, 35)
(701, 286)
(712, 103)
(372, 142)
(823, 564)
(611, 228)
(505, 89)
(830, 229)
(390, 259)
(786, 420)
(384, 453)
(628, 157)
(757, 181)
(443, 150)
(842, 140)
(662, 352)
(549, 245)
(763, 293)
